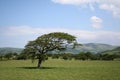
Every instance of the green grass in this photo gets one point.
(54, 69)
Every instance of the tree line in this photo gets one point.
(66, 56)
(85, 56)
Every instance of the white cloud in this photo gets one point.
(82, 3)
(96, 22)
(82, 35)
(112, 6)
(74, 2)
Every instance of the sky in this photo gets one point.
(91, 21)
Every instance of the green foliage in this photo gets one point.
(55, 56)
(8, 56)
(1, 57)
(108, 57)
(22, 57)
(67, 56)
(83, 56)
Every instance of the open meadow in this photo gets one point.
(58, 69)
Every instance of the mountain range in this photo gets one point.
(92, 47)
(6, 50)
(89, 47)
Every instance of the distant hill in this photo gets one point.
(90, 47)
(114, 51)
(97, 47)
(6, 50)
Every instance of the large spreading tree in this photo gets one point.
(49, 42)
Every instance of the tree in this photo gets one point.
(108, 56)
(80, 56)
(55, 56)
(1, 57)
(88, 55)
(49, 42)
(67, 56)
(8, 55)
(14, 56)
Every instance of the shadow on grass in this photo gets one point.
(40, 68)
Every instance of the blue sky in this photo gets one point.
(91, 21)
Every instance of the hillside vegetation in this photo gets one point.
(91, 47)
(10, 50)
(114, 51)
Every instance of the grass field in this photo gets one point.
(60, 70)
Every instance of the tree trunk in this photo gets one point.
(39, 62)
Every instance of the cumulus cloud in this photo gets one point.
(112, 6)
(82, 35)
(96, 22)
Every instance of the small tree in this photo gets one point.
(8, 55)
(55, 56)
(88, 55)
(1, 57)
(49, 42)
(67, 56)
(80, 56)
